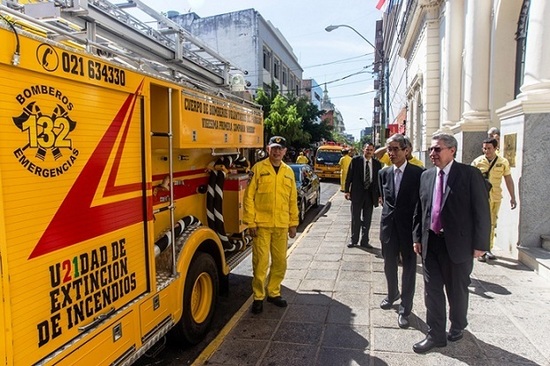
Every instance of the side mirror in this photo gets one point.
(260, 154)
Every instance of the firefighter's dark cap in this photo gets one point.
(277, 141)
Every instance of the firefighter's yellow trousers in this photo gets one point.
(494, 206)
(269, 242)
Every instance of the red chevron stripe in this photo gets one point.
(76, 220)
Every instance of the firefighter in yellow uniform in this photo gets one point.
(302, 159)
(271, 212)
(344, 162)
(500, 169)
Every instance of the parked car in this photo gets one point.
(308, 186)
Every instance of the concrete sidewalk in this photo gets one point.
(334, 318)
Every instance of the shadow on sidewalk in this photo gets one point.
(314, 329)
(510, 263)
(474, 351)
(481, 288)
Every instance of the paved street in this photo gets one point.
(334, 318)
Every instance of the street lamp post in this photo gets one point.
(330, 28)
(384, 80)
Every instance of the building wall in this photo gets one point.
(474, 90)
(242, 37)
(313, 92)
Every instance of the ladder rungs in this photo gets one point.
(161, 134)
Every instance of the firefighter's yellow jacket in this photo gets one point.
(271, 199)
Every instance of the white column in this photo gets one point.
(476, 65)
(537, 58)
(451, 69)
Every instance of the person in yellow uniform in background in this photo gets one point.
(500, 169)
(494, 133)
(382, 155)
(344, 162)
(271, 213)
(302, 159)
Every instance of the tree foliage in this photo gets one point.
(284, 120)
(294, 118)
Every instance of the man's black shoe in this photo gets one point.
(366, 245)
(352, 245)
(427, 344)
(278, 301)
(403, 321)
(257, 306)
(386, 304)
(455, 335)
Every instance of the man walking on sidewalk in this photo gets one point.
(399, 185)
(451, 227)
(362, 189)
(494, 168)
(271, 212)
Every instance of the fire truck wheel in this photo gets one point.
(200, 297)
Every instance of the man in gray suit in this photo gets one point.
(399, 185)
(451, 227)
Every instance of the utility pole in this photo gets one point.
(381, 126)
(383, 78)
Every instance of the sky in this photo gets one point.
(341, 58)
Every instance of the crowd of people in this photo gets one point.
(445, 214)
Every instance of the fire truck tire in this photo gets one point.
(200, 298)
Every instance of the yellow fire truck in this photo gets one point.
(122, 150)
(327, 161)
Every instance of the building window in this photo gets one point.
(521, 40)
(267, 60)
(276, 68)
(285, 76)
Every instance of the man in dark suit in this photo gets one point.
(399, 185)
(451, 227)
(362, 189)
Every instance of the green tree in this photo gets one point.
(282, 113)
(265, 98)
(283, 120)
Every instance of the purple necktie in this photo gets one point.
(437, 203)
(397, 182)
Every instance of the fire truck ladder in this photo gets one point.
(170, 206)
(112, 31)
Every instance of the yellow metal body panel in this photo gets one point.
(77, 175)
(104, 347)
(233, 203)
(156, 309)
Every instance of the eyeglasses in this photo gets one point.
(437, 149)
(394, 149)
